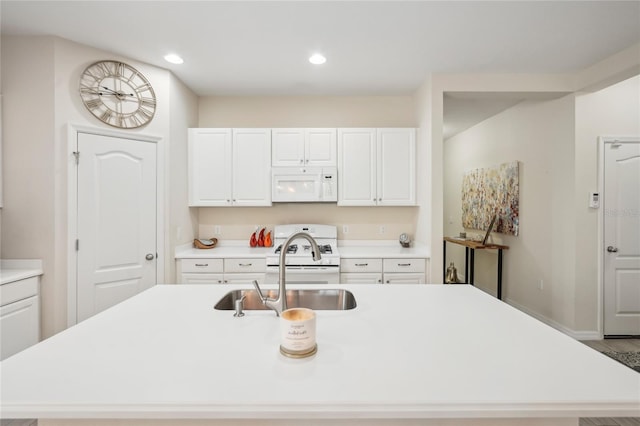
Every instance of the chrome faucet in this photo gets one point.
(279, 304)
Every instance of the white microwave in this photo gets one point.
(304, 184)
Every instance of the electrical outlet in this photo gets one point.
(345, 229)
(216, 230)
(382, 229)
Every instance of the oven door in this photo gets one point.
(305, 275)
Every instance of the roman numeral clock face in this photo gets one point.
(117, 94)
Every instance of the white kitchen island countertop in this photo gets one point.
(406, 353)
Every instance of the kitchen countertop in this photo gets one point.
(347, 249)
(405, 352)
(19, 269)
(381, 248)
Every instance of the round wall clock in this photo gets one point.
(117, 94)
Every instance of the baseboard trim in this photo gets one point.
(578, 335)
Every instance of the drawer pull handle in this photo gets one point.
(202, 264)
(362, 264)
(245, 264)
(404, 264)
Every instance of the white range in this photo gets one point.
(300, 266)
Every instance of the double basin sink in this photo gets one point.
(316, 299)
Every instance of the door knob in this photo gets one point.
(149, 256)
(612, 249)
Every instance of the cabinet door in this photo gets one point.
(243, 278)
(320, 147)
(251, 167)
(209, 158)
(195, 278)
(287, 147)
(360, 278)
(400, 278)
(19, 326)
(396, 160)
(357, 167)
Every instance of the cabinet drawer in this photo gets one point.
(195, 278)
(364, 278)
(404, 278)
(18, 290)
(403, 265)
(244, 265)
(361, 265)
(243, 278)
(201, 265)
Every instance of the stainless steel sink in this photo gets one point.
(321, 300)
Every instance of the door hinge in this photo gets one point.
(77, 155)
(77, 245)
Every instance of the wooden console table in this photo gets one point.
(470, 248)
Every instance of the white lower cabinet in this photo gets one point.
(19, 316)
(403, 278)
(361, 278)
(191, 278)
(404, 271)
(352, 271)
(361, 271)
(382, 271)
(221, 271)
(243, 278)
(244, 271)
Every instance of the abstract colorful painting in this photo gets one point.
(490, 191)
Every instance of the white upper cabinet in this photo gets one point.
(229, 167)
(376, 167)
(209, 153)
(357, 167)
(251, 180)
(396, 160)
(303, 147)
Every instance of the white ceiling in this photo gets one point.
(373, 48)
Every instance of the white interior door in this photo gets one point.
(622, 238)
(116, 221)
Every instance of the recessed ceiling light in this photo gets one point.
(173, 58)
(317, 59)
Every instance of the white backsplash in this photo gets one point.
(361, 223)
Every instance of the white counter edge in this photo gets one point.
(12, 270)
(347, 248)
(323, 411)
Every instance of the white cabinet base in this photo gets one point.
(19, 325)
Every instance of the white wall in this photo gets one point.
(614, 111)
(309, 111)
(182, 225)
(28, 75)
(40, 86)
(556, 143)
(539, 135)
(425, 172)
